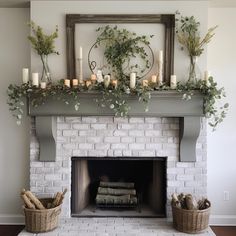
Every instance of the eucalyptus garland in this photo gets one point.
(116, 98)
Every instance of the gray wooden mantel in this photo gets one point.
(162, 104)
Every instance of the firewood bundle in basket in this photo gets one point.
(188, 202)
(32, 202)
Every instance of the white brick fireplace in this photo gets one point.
(98, 136)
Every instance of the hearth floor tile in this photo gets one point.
(115, 227)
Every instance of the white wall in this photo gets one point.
(14, 142)
(221, 143)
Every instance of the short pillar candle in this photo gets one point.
(35, 79)
(67, 82)
(132, 80)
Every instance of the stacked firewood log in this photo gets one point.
(188, 202)
(116, 193)
(32, 202)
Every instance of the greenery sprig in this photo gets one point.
(121, 46)
(213, 110)
(41, 42)
(188, 35)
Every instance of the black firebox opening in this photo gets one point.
(148, 175)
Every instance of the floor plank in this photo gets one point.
(224, 230)
(10, 230)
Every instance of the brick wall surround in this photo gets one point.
(112, 136)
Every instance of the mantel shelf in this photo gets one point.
(162, 104)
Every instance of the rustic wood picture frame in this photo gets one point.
(168, 20)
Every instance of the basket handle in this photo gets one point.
(56, 212)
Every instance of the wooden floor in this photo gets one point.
(14, 230)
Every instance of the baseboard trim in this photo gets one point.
(12, 219)
(223, 220)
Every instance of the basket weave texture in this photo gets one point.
(37, 221)
(190, 221)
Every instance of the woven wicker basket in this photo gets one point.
(37, 221)
(190, 221)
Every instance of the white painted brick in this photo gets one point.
(106, 119)
(145, 126)
(136, 120)
(105, 133)
(127, 153)
(146, 153)
(44, 170)
(112, 139)
(171, 177)
(118, 153)
(136, 146)
(98, 153)
(72, 119)
(185, 164)
(112, 127)
(36, 190)
(142, 139)
(61, 126)
(185, 190)
(193, 170)
(53, 177)
(120, 133)
(119, 146)
(126, 126)
(36, 164)
(136, 133)
(152, 133)
(70, 133)
(185, 177)
(152, 120)
(69, 146)
(176, 183)
(78, 139)
(94, 139)
(175, 171)
(80, 153)
(52, 189)
(85, 146)
(170, 133)
(87, 132)
(60, 119)
(174, 126)
(110, 153)
(98, 126)
(153, 146)
(120, 120)
(61, 139)
(89, 119)
(194, 184)
(81, 126)
(101, 146)
(44, 183)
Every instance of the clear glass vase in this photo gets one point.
(45, 76)
(194, 70)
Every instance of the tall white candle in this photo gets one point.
(160, 58)
(25, 75)
(173, 81)
(160, 67)
(132, 80)
(80, 53)
(35, 79)
(154, 79)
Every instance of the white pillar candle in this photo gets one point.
(25, 75)
(145, 83)
(173, 81)
(107, 80)
(160, 56)
(154, 79)
(35, 79)
(93, 78)
(80, 53)
(132, 80)
(75, 82)
(160, 67)
(207, 74)
(67, 82)
(43, 85)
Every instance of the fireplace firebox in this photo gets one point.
(147, 174)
